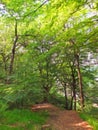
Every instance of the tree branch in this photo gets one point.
(36, 8)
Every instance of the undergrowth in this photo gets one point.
(91, 116)
(22, 120)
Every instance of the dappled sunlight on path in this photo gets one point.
(68, 120)
(44, 106)
(63, 119)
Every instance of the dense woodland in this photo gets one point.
(49, 52)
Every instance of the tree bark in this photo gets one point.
(80, 82)
(13, 50)
(66, 99)
(76, 55)
(71, 102)
(73, 87)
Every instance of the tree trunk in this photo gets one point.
(71, 102)
(46, 93)
(76, 55)
(13, 50)
(73, 87)
(66, 99)
(80, 82)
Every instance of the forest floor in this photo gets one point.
(62, 119)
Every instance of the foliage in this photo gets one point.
(45, 44)
(23, 119)
(57, 100)
(91, 117)
(3, 107)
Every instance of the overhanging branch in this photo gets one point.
(36, 9)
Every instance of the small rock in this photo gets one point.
(46, 127)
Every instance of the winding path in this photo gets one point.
(63, 119)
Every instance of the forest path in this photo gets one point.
(63, 119)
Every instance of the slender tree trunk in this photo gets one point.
(66, 99)
(73, 87)
(46, 93)
(76, 54)
(44, 86)
(71, 102)
(47, 89)
(13, 49)
(80, 82)
(74, 96)
(48, 85)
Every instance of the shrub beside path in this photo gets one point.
(62, 119)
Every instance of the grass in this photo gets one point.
(22, 120)
(91, 117)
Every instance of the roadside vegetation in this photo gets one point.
(91, 116)
(22, 119)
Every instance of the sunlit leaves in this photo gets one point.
(45, 51)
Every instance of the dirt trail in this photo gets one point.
(63, 119)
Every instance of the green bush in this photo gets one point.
(57, 100)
